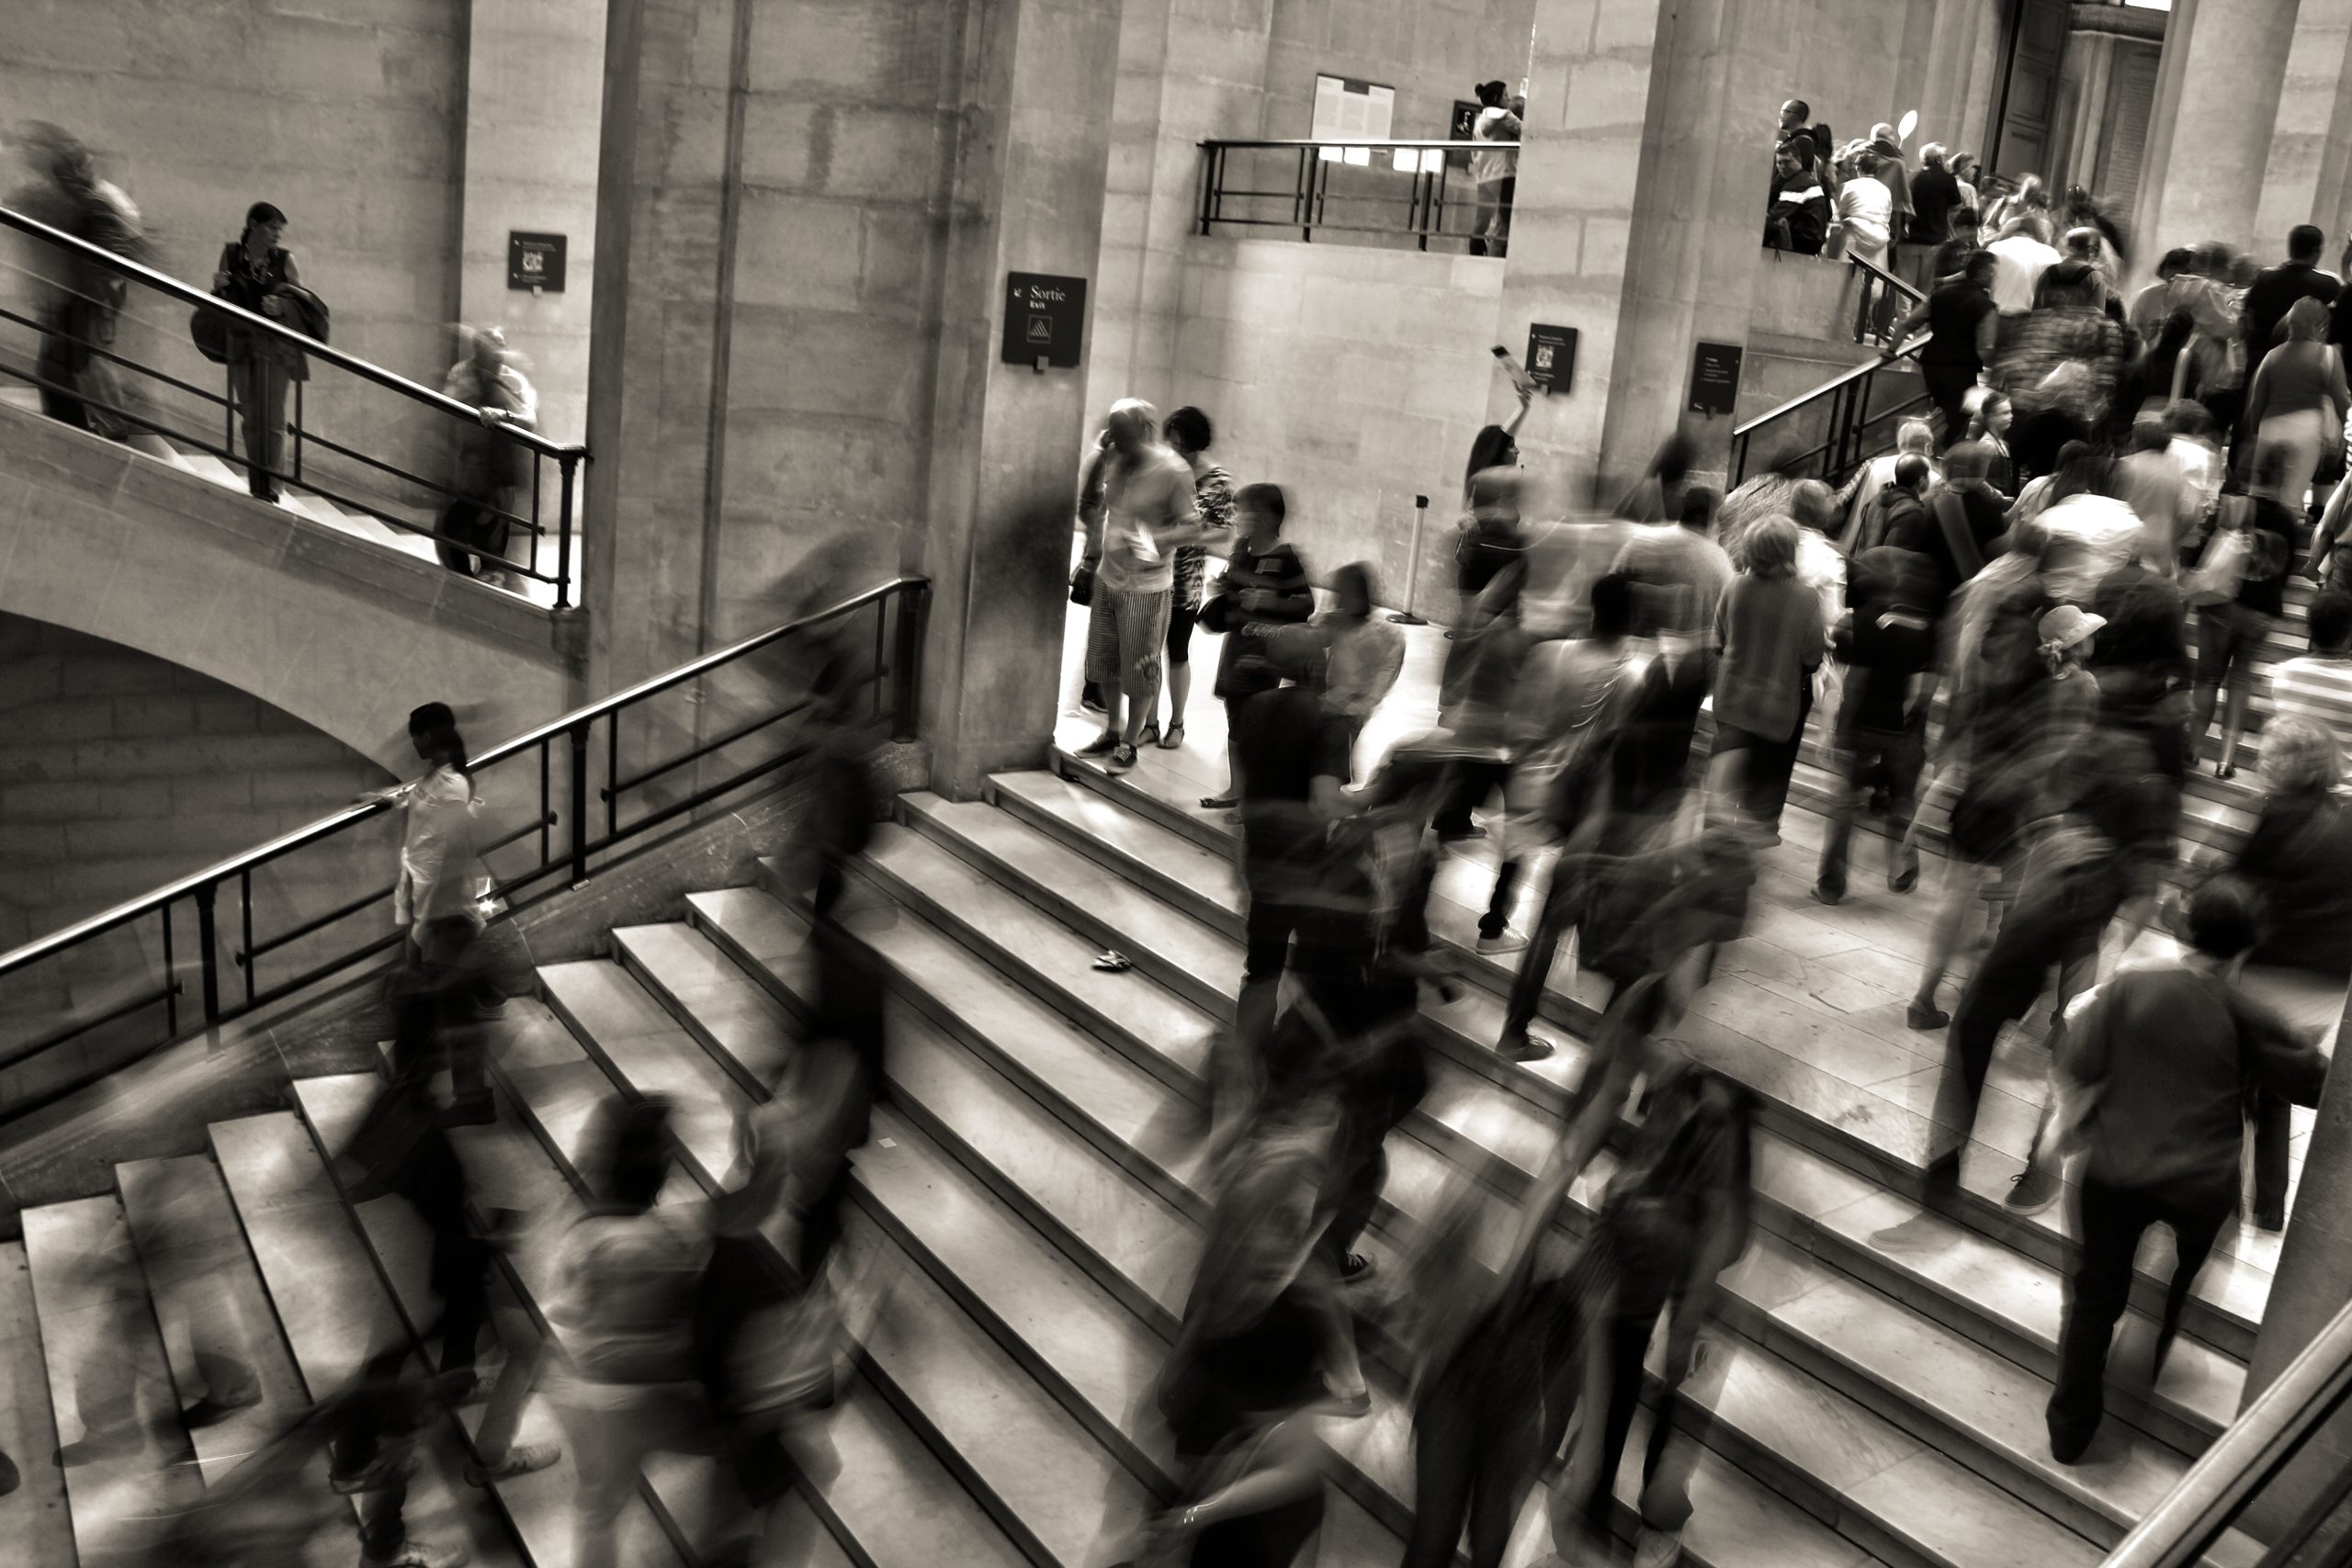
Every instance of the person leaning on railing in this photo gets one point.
(255, 271)
(490, 466)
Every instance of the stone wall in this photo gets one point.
(535, 75)
(120, 772)
(342, 632)
(1356, 380)
(350, 117)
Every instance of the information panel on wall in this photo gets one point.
(1715, 378)
(1045, 319)
(1551, 355)
(1350, 110)
(535, 262)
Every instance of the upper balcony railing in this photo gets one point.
(555, 805)
(110, 338)
(1403, 190)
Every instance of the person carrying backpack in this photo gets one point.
(1675, 1214)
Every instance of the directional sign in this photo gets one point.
(1715, 378)
(1045, 319)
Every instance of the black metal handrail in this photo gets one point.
(505, 505)
(1845, 398)
(1311, 195)
(564, 802)
(2268, 1436)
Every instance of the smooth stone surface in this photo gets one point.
(34, 1517)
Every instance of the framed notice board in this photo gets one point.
(1715, 378)
(1044, 320)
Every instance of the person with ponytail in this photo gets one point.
(443, 902)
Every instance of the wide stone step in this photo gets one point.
(1048, 1484)
(2002, 1435)
(1009, 1132)
(221, 1334)
(891, 1496)
(539, 1505)
(129, 1469)
(34, 1519)
(332, 1306)
(1855, 1096)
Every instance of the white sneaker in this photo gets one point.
(1659, 1549)
(1509, 942)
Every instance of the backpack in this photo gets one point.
(1691, 1147)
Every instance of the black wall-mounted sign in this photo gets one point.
(1044, 317)
(534, 261)
(1715, 378)
(1465, 119)
(1551, 355)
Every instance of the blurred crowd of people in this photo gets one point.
(2025, 627)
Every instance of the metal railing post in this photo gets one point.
(1208, 187)
(298, 431)
(208, 953)
(563, 537)
(906, 697)
(579, 733)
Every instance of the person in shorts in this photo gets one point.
(1149, 512)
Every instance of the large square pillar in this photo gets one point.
(2217, 105)
(1028, 198)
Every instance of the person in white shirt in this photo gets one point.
(1367, 652)
(2023, 253)
(1866, 211)
(1493, 170)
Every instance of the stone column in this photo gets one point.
(2312, 1285)
(2304, 179)
(1027, 197)
(2217, 105)
(1589, 98)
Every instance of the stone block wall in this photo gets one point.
(120, 771)
(350, 117)
(1356, 380)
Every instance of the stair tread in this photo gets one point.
(35, 1515)
(334, 1310)
(539, 1503)
(2006, 1421)
(202, 1279)
(884, 1463)
(105, 1364)
(1017, 1136)
(742, 1020)
(1721, 1029)
(648, 1049)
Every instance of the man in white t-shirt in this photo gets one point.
(1149, 510)
(2021, 255)
(1495, 170)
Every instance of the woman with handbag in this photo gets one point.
(2297, 402)
(2240, 590)
(254, 270)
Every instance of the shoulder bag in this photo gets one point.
(207, 327)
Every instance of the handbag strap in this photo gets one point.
(1957, 538)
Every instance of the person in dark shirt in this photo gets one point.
(2167, 1051)
(1291, 761)
(2276, 288)
(1935, 192)
(1951, 257)
(1964, 323)
(2229, 633)
(1885, 644)
(1797, 217)
(1264, 589)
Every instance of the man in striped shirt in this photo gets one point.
(2318, 686)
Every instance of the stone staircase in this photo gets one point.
(318, 508)
(1027, 1218)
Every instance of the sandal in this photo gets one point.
(1150, 734)
(1111, 961)
(1218, 803)
(1173, 738)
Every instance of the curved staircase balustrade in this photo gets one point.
(1844, 402)
(718, 738)
(167, 406)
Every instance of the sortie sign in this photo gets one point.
(1045, 319)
